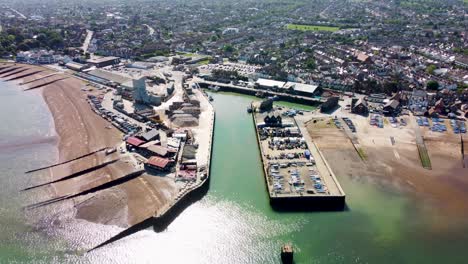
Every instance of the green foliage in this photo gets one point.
(13, 40)
(227, 75)
(432, 85)
(311, 28)
(266, 105)
(431, 68)
(228, 48)
(214, 38)
(424, 156)
(310, 63)
(463, 51)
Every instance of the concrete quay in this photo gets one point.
(251, 91)
(294, 181)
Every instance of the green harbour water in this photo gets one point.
(234, 222)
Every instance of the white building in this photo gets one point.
(140, 94)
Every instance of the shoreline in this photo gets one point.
(79, 130)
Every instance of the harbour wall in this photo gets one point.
(162, 220)
(297, 203)
(253, 92)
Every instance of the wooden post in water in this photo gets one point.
(287, 254)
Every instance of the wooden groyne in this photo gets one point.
(74, 175)
(462, 146)
(45, 84)
(9, 69)
(106, 185)
(14, 72)
(68, 161)
(23, 75)
(40, 78)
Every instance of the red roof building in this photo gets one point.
(133, 141)
(158, 163)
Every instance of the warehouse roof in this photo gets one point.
(158, 162)
(134, 141)
(302, 87)
(270, 83)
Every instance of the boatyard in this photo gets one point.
(296, 173)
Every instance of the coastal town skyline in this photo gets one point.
(271, 131)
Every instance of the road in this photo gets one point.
(89, 36)
(18, 13)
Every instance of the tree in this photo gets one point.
(310, 63)
(266, 105)
(23, 46)
(390, 87)
(228, 48)
(431, 68)
(432, 85)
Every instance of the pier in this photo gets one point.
(297, 176)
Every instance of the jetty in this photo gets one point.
(296, 174)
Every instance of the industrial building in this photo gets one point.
(103, 61)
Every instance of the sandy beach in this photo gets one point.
(81, 131)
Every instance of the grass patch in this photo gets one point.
(311, 28)
(204, 62)
(296, 106)
(424, 156)
(361, 153)
(186, 54)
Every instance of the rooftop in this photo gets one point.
(270, 83)
(134, 141)
(158, 162)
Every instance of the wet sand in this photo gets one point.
(81, 131)
(398, 167)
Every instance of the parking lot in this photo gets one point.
(291, 167)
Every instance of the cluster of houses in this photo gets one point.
(443, 103)
(38, 57)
